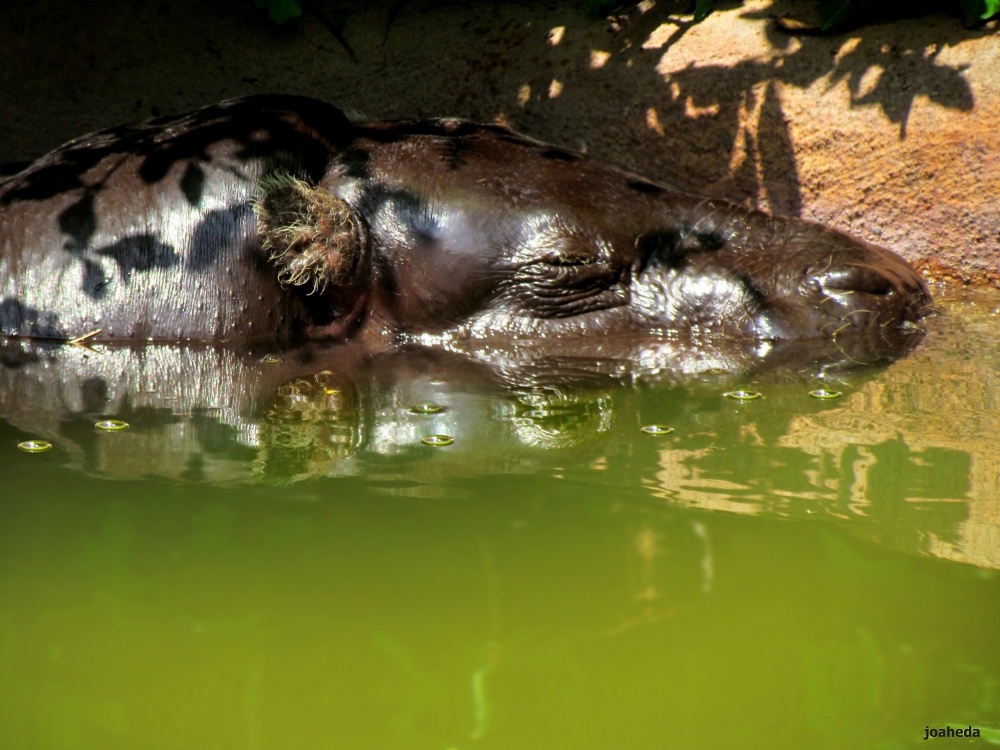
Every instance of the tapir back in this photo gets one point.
(147, 232)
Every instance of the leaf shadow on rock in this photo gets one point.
(726, 122)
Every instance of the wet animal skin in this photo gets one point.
(275, 217)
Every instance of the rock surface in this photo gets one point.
(888, 131)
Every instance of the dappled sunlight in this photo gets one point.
(605, 541)
(775, 117)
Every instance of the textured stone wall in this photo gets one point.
(889, 131)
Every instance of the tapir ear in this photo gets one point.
(312, 237)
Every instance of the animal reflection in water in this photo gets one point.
(245, 414)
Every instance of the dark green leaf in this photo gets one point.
(835, 12)
(702, 8)
(974, 11)
(599, 7)
(280, 11)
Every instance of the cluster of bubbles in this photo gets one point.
(741, 394)
(435, 441)
(40, 446)
(429, 407)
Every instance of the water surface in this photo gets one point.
(269, 556)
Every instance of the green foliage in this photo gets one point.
(836, 12)
(974, 11)
(702, 8)
(833, 13)
(599, 7)
(280, 11)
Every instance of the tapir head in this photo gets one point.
(447, 227)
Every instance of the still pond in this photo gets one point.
(278, 554)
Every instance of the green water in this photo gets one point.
(249, 570)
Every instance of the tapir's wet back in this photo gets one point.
(276, 218)
(148, 232)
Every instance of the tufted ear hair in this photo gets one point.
(312, 237)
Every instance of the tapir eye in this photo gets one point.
(564, 287)
(564, 272)
(569, 261)
(562, 269)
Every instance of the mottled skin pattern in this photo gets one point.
(148, 233)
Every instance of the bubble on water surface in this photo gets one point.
(428, 407)
(34, 446)
(742, 394)
(657, 429)
(438, 441)
(825, 393)
(111, 425)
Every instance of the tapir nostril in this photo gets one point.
(855, 279)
